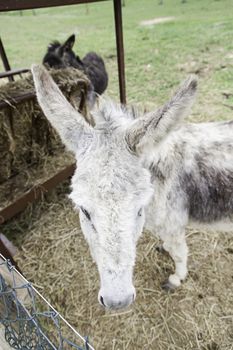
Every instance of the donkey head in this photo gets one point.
(62, 55)
(111, 187)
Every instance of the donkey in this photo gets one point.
(61, 55)
(151, 172)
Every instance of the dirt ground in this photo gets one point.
(158, 20)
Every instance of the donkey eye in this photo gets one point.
(85, 212)
(140, 212)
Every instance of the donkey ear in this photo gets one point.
(70, 125)
(69, 43)
(153, 127)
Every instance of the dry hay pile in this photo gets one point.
(199, 315)
(26, 137)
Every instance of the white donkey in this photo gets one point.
(146, 171)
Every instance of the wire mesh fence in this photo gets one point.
(28, 321)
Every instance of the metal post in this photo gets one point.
(5, 60)
(120, 49)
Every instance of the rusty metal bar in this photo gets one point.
(120, 49)
(13, 72)
(7, 254)
(5, 61)
(35, 193)
(16, 100)
(12, 5)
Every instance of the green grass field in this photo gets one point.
(197, 316)
(198, 40)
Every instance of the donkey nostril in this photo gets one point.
(102, 301)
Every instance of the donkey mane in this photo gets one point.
(112, 115)
(53, 45)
